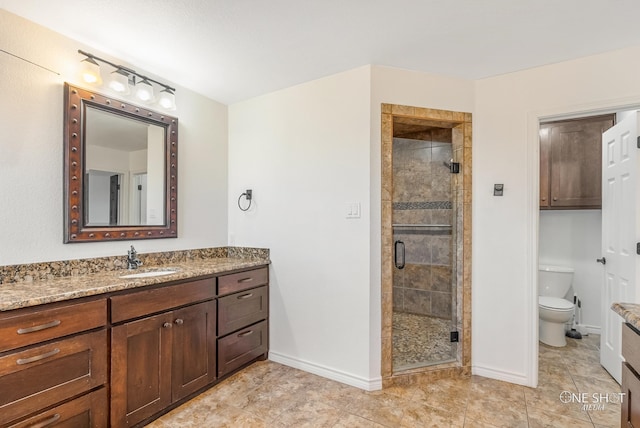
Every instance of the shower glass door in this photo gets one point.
(424, 279)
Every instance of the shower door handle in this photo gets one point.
(398, 254)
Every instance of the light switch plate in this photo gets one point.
(353, 210)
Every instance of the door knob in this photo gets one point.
(603, 260)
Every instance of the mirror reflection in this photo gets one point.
(124, 170)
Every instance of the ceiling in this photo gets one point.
(232, 50)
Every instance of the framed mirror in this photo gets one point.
(120, 169)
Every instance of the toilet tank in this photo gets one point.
(554, 281)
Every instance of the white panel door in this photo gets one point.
(620, 226)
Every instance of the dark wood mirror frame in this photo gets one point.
(76, 101)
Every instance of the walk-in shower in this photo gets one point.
(424, 292)
(426, 244)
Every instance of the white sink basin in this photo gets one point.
(149, 274)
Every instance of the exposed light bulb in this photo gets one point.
(90, 71)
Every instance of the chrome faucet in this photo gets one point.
(133, 262)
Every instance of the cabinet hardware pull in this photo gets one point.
(39, 327)
(21, 361)
(555, 198)
(246, 333)
(245, 296)
(544, 199)
(245, 280)
(49, 421)
(166, 325)
(179, 321)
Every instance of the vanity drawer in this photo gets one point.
(631, 346)
(241, 347)
(145, 302)
(26, 327)
(41, 376)
(242, 309)
(233, 283)
(87, 411)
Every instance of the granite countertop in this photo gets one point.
(24, 294)
(630, 312)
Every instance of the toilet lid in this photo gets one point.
(554, 302)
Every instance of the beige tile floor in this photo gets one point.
(268, 394)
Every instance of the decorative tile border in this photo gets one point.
(421, 231)
(50, 270)
(427, 205)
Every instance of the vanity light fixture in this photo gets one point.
(167, 99)
(123, 78)
(119, 81)
(144, 91)
(90, 71)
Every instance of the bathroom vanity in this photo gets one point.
(109, 351)
(630, 415)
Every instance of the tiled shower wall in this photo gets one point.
(422, 196)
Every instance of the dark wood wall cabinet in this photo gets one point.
(571, 162)
(164, 345)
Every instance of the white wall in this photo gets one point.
(304, 151)
(155, 213)
(573, 238)
(31, 119)
(507, 111)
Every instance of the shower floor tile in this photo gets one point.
(420, 340)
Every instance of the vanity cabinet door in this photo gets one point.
(631, 403)
(141, 354)
(194, 348)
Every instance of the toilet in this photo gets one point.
(554, 311)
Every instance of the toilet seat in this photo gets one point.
(555, 303)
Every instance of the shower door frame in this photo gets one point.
(461, 125)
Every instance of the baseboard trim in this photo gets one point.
(329, 373)
(591, 329)
(492, 373)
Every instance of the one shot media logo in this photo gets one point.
(592, 400)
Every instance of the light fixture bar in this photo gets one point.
(127, 69)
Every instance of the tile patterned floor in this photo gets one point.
(268, 394)
(420, 340)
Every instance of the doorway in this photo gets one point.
(426, 236)
(571, 235)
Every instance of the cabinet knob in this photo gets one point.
(179, 321)
(555, 198)
(166, 325)
(544, 198)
